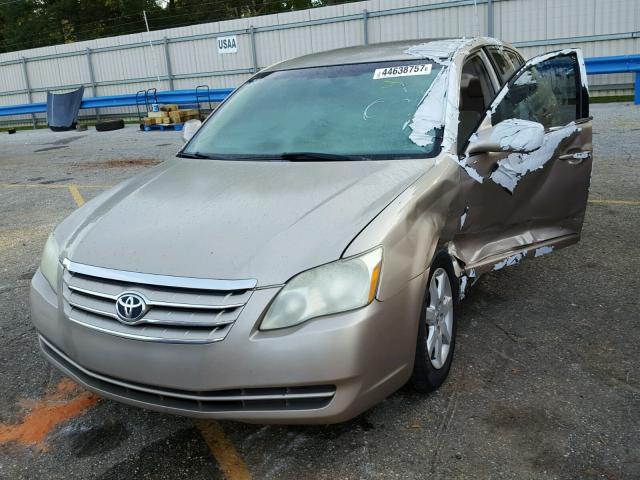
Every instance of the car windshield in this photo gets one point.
(360, 111)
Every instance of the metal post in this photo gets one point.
(254, 55)
(28, 85)
(490, 18)
(365, 26)
(146, 23)
(92, 79)
(637, 95)
(167, 60)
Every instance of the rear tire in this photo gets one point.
(437, 330)
(108, 125)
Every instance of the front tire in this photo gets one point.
(437, 329)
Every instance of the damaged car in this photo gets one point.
(304, 255)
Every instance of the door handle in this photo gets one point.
(575, 157)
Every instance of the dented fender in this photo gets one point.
(412, 226)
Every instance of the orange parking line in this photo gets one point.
(66, 402)
(229, 460)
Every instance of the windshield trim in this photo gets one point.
(435, 151)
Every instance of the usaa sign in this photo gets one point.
(227, 44)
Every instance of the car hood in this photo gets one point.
(235, 219)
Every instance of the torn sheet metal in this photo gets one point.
(514, 167)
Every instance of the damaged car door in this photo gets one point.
(528, 165)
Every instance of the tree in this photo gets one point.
(37, 23)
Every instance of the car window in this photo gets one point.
(360, 109)
(503, 63)
(545, 93)
(476, 91)
(516, 59)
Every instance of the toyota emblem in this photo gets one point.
(130, 307)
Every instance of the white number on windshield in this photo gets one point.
(402, 71)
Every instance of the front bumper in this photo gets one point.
(324, 371)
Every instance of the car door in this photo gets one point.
(526, 204)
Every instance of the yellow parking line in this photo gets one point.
(77, 197)
(57, 185)
(229, 460)
(614, 202)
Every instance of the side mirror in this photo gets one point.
(189, 129)
(509, 136)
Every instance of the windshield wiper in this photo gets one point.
(313, 156)
(208, 156)
(288, 156)
(192, 155)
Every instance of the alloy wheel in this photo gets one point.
(439, 318)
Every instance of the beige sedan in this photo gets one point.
(304, 256)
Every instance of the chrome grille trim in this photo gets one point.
(152, 321)
(160, 280)
(190, 313)
(92, 310)
(144, 338)
(154, 303)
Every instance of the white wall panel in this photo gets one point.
(12, 78)
(394, 27)
(520, 20)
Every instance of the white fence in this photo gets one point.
(188, 56)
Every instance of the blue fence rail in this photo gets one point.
(180, 97)
(596, 65)
(617, 64)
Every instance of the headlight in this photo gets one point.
(336, 287)
(49, 262)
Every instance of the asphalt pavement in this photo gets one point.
(545, 383)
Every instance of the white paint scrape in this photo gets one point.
(473, 173)
(463, 286)
(521, 135)
(439, 106)
(514, 167)
(542, 251)
(463, 217)
(509, 261)
(436, 50)
(430, 112)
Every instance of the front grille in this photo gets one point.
(241, 399)
(181, 310)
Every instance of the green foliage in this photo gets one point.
(36, 23)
